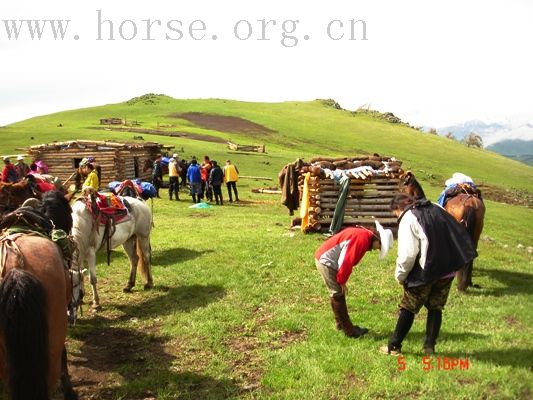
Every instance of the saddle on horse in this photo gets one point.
(108, 210)
(28, 220)
(457, 189)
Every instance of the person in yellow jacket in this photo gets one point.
(231, 176)
(91, 182)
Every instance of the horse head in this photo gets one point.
(409, 184)
(57, 208)
(12, 195)
(406, 178)
(78, 292)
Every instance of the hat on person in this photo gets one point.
(386, 238)
(84, 161)
(175, 155)
(6, 159)
(41, 164)
(20, 158)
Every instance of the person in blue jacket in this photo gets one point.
(194, 178)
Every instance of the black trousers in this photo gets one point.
(173, 186)
(233, 185)
(157, 184)
(217, 191)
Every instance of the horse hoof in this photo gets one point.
(127, 289)
(148, 286)
(96, 307)
(476, 286)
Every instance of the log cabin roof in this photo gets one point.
(96, 145)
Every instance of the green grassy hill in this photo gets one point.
(238, 310)
(289, 129)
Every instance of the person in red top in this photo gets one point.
(205, 170)
(335, 260)
(9, 173)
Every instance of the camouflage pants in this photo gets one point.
(432, 295)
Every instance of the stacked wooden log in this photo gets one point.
(369, 195)
(249, 148)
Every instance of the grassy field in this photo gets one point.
(239, 310)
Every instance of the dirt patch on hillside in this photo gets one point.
(203, 138)
(223, 123)
(507, 196)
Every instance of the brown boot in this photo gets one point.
(338, 303)
(338, 323)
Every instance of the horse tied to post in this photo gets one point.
(92, 231)
(465, 206)
(35, 292)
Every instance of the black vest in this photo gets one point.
(449, 245)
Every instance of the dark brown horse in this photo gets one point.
(35, 291)
(12, 195)
(465, 206)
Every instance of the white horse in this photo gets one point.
(133, 234)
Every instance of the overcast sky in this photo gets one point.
(433, 63)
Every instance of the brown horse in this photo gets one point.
(12, 195)
(35, 291)
(467, 208)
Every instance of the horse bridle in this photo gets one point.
(73, 304)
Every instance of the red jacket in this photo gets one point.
(8, 176)
(344, 250)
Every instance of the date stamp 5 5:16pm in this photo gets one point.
(429, 363)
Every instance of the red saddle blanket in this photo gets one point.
(111, 207)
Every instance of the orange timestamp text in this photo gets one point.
(429, 363)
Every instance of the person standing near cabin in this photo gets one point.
(173, 177)
(432, 246)
(22, 168)
(157, 175)
(335, 260)
(231, 176)
(195, 180)
(9, 173)
(216, 177)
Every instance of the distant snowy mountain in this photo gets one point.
(491, 132)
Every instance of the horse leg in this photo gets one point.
(464, 277)
(146, 260)
(66, 384)
(91, 261)
(129, 247)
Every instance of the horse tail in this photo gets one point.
(469, 221)
(25, 328)
(144, 261)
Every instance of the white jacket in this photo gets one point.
(411, 241)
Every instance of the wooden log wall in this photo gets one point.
(116, 164)
(368, 198)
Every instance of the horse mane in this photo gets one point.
(56, 208)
